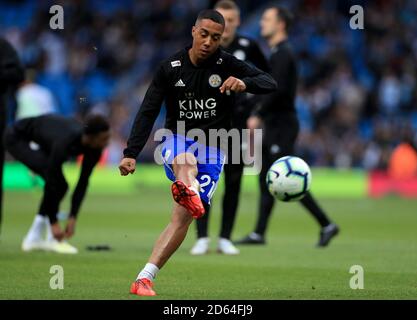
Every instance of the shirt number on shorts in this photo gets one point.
(205, 181)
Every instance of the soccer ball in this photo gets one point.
(289, 178)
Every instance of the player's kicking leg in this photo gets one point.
(185, 190)
(187, 205)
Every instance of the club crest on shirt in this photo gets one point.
(215, 80)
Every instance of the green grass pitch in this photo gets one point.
(379, 235)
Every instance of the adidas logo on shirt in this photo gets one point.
(180, 83)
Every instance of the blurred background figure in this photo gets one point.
(58, 139)
(402, 164)
(11, 74)
(33, 99)
(276, 114)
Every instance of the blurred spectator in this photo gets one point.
(11, 74)
(389, 94)
(403, 161)
(32, 99)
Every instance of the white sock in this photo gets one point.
(149, 272)
(36, 230)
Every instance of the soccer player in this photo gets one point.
(246, 50)
(198, 85)
(59, 138)
(278, 114)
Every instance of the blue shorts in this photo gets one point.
(210, 161)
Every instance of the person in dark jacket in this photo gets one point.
(280, 124)
(59, 139)
(11, 74)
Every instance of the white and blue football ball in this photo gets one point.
(289, 178)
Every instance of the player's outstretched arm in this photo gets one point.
(126, 166)
(55, 187)
(146, 116)
(90, 160)
(70, 228)
(254, 80)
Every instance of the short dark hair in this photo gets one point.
(95, 123)
(226, 5)
(285, 15)
(212, 15)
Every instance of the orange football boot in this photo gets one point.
(142, 287)
(187, 198)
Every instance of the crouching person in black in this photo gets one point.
(59, 139)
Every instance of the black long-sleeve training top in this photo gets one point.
(60, 138)
(192, 95)
(280, 105)
(247, 50)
